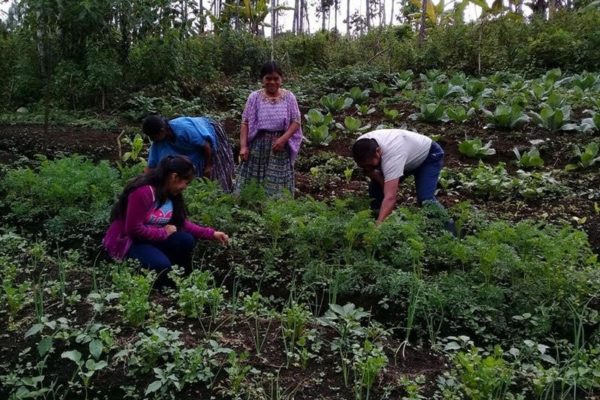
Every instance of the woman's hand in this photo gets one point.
(221, 237)
(279, 144)
(208, 171)
(171, 229)
(244, 153)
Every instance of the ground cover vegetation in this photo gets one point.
(310, 299)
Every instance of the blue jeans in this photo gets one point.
(426, 179)
(177, 249)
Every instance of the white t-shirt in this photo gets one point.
(401, 150)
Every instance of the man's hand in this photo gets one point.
(208, 171)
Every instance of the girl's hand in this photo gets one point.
(279, 144)
(171, 229)
(221, 237)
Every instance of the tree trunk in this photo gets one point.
(382, 12)
(348, 18)
(273, 19)
(201, 11)
(323, 16)
(336, 7)
(392, 13)
(422, 27)
(368, 15)
(306, 16)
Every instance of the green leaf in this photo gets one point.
(72, 355)
(35, 329)
(153, 387)
(45, 345)
(96, 348)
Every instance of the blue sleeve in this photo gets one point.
(152, 156)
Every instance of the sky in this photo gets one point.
(286, 17)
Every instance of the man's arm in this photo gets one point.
(390, 191)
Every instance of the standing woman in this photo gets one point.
(270, 135)
(149, 221)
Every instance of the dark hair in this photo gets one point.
(364, 149)
(153, 124)
(269, 68)
(157, 178)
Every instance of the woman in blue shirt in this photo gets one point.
(201, 139)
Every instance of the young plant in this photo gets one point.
(459, 114)
(358, 95)
(474, 148)
(529, 159)
(391, 114)
(316, 118)
(255, 309)
(134, 298)
(431, 112)
(318, 135)
(335, 103)
(382, 88)
(440, 90)
(369, 362)
(586, 158)
(591, 124)
(85, 369)
(507, 117)
(294, 327)
(364, 109)
(346, 321)
(352, 125)
(403, 80)
(554, 119)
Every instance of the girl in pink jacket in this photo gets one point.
(149, 221)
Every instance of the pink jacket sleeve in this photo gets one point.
(199, 232)
(139, 204)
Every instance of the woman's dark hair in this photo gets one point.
(364, 150)
(269, 68)
(158, 178)
(153, 124)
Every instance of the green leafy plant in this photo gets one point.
(352, 125)
(382, 88)
(591, 124)
(346, 321)
(369, 361)
(587, 157)
(506, 116)
(318, 135)
(554, 119)
(529, 159)
(316, 118)
(441, 90)
(135, 291)
(474, 148)
(403, 80)
(391, 114)
(459, 114)
(358, 95)
(431, 112)
(255, 310)
(294, 327)
(335, 103)
(364, 109)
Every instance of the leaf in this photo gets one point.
(45, 345)
(153, 387)
(96, 348)
(35, 329)
(72, 355)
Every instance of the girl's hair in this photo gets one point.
(158, 178)
(269, 68)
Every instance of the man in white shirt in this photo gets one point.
(387, 156)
